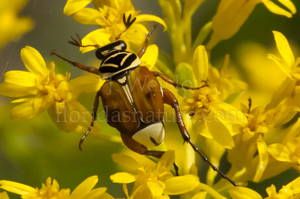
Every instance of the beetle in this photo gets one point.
(139, 110)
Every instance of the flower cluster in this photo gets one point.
(259, 142)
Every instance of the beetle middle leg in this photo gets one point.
(170, 99)
(78, 65)
(141, 149)
(94, 114)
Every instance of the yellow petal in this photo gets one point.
(181, 184)
(100, 37)
(87, 16)
(295, 185)
(126, 161)
(65, 92)
(123, 177)
(85, 187)
(73, 6)
(279, 152)
(142, 191)
(200, 195)
(291, 132)
(33, 61)
(166, 161)
(243, 192)
(3, 195)
(20, 78)
(286, 69)
(150, 56)
(20, 100)
(263, 159)
(11, 90)
(156, 188)
(284, 48)
(289, 4)
(15, 187)
(88, 83)
(271, 190)
(142, 18)
(163, 197)
(98, 193)
(74, 118)
(25, 111)
(136, 33)
(219, 130)
(200, 64)
(230, 16)
(276, 9)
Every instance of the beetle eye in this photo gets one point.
(123, 45)
(100, 54)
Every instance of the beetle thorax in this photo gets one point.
(117, 61)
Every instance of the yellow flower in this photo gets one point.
(155, 181)
(11, 25)
(250, 141)
(285, 101)
(287, 150)
(220, 79)
(51, 190)
(289, 191)
(205, 107)
(109, 16)
(48, 91)
(232, 14)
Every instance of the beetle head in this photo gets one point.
(104, 50)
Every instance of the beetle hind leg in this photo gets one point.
(170, 99)
(141, 149)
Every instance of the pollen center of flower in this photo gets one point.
(200, 102)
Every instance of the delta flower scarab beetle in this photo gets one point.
(133, 99)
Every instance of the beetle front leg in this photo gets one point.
(94, 116)
(168, 80)
(145, 44)
(78, 65)
(170, 99)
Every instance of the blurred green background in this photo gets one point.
(32, 150)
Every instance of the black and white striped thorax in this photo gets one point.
(117, 61)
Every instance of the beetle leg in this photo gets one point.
(127, 24)
(79, 65)
(94, 115)
(141, 149)
(168, 80)
(170, 99)
(145, 44)
(77, 42)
